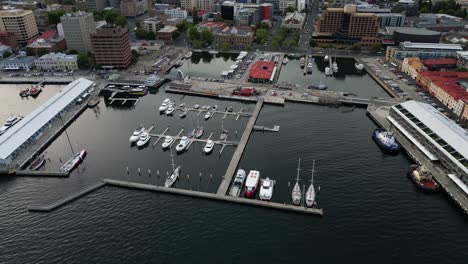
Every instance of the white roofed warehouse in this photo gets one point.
(25, 131)
(435, 135)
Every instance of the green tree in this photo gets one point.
(150, 35)
(197, 44)
(54, 17)
(312, 43)
(356, 46)
(140, 33)
(42, 52)
(290, 9)
(175, 34)
(68, 2)
(183, 26)
(72, 52)
(83, 61)
(225, 46)
(193, 34)
(460, 69)
(218, 19)
(261, 35)
(206, 36)
(7, 54)
(135, 56)
(30, 52)
(120, 21)
(110, 16)
(262, 26)
(196, 18)
(376, 46)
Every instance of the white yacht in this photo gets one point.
(11, 121)
(165, 104)
(335, 67)
(170, 110)
(208, 115)
(326, 58)
(328, 71)
(208, 147)
(238, 183)
(208, 107)
(137, 134)
(309, 67)
(171, 179)
(266, 189)
(167, 142)
(144, 139)
(188, 55)
(215, 107)
(296, 194)
(359, 66)
(285, 61)
(196, 106)
(310, 194)
(184, 141)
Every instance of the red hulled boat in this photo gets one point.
(251, 184)
(422, 178)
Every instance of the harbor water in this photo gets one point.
(372, 210)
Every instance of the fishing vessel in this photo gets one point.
(72, 163)
(208, 115)
(183, 143)
(188, 55)
(208, 146)
(238, 183)
(11, 121)
(164, 105)
(296, 193)
(285, 61)
(266, 190)
(310, 194)
(320, 86)
(309, 67)
(251, 184)
(386, 140)
(167, 142)
(359, 66)
(137, 134)
(422, 178)
(302, 62)
(328, 72)
(37, 163)
(143, 140)
(24, 92)
(35, 91)
(171, 179)
(326, 58)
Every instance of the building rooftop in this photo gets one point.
(57, 56)
(4, 48)
(415, 63)
(28, 126)
(167, 29)
(262, 70)
(441, 61)
(294, 16)
(48, 34)
(449, 82)
(436, 46)
(444, 128)
(411, 30)
(13, 12)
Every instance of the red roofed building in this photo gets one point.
(211, 25)
(262, 72)
(49, 41)
(447, 88)
(437, 64)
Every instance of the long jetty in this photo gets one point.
(57, 204)
(223, 187)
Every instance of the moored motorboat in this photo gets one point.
(215, 107)
(188, 55)
(37, 163)
(196, 106)
(167, 142)
(184, 113)
(143, 140)
(386, 140)
(238, 183)
(93, 101)
(213, 52)
(165, 104)
(35, 91)
(136, 134)
(310, 194)
(302, 62)
(296, 193)
(359, 66)
(74, 161)
(24, 92)
(422, 178)
(285, 61)
(208, 115)
(309, 67)
(192, 133)
(137, 91)
(266, 189)
(199, 132)
(320, 86)
(251, 184)
(183, 143)
(328, 71)
(335, 67)
(208, 107)
(208, 146)
(326, 58)
(171, 179)
(170, 110)
(11, 121)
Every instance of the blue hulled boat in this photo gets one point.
(385, 140)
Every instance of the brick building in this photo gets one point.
(111, 46)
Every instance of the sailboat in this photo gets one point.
(224, 132)
(296, 192)
(170, 180)
(310, 194)
(199, 131)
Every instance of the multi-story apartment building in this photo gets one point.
(19, 22)
(133, 8)
(234, 36)
(111, 46)
(391, 20)
(57, 61)
(198, 4)
(284, 4)
(77, 28)
(396, 54)
(176, 13)
(152, 24)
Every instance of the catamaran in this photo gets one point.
(296, 192)
(310, 194)
(171, 179)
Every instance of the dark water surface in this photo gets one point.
(373, 212)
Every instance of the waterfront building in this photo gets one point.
(166, 32)
(78, 28)
(440, 64)
(284, 4)
(57, 62)
(234, 36)
(31, 126)
(402, 34)
(396, 54)
(152, 24)
(412, 66)
(19, 22)
(133, 8)
(111, 47)
(294, 21)
(262, 72)
(440, 139)
(21, 63)
(8, 38)
(391, 20)
(176, 13)
(49, 41)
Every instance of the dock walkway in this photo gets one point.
(231, 170)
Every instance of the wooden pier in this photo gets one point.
(231, 170)
(57, 204)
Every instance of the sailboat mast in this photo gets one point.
(298, 169)
(172, 160)
(313, 169)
